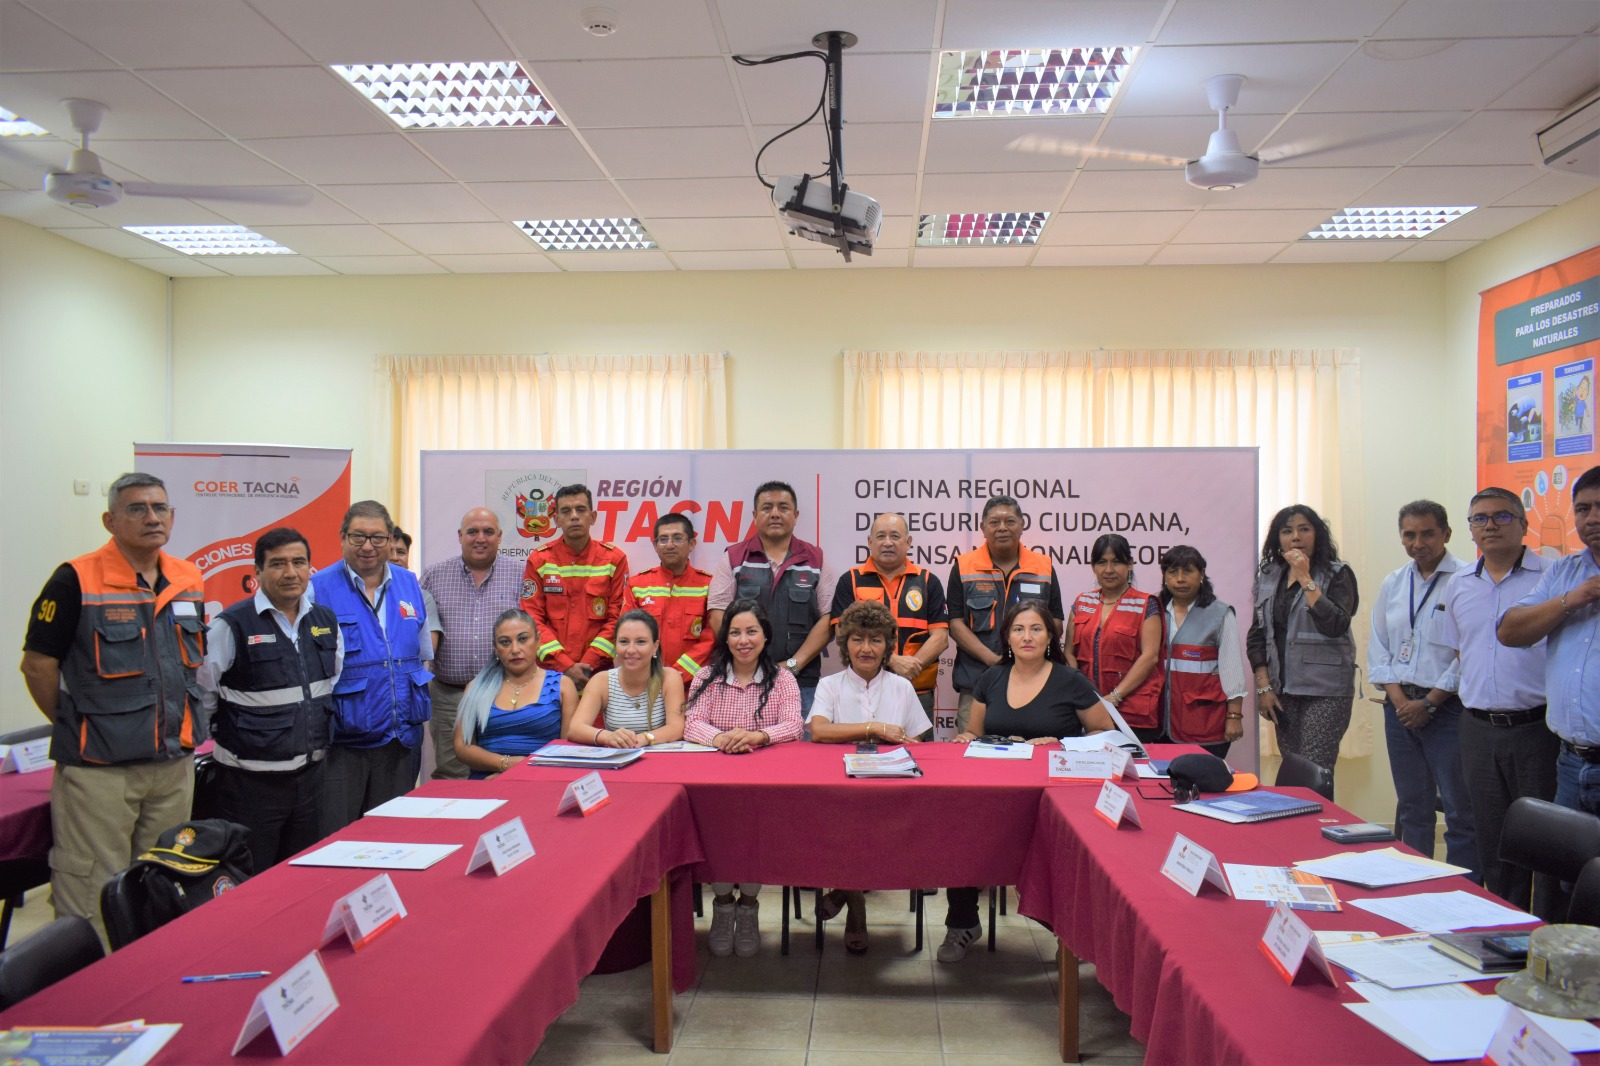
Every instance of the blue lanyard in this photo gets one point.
(1412, 594)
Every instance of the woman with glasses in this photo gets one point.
(639, 703)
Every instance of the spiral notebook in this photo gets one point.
(1250, 807)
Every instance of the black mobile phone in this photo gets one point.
(866, 747)
(1512, 947)
(992, 738)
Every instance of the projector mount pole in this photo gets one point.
(836, 41)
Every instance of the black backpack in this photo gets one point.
(191, 863)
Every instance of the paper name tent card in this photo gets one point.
(1239, 807)
(587, 757)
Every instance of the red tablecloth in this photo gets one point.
(25, 815)
(475, 974)
(788, 815)
(1188, 969)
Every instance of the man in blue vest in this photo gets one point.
(267, 684)
(381, 701)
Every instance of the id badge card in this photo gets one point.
(1404, 654)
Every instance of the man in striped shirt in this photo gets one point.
(576, 588)
(675, 594)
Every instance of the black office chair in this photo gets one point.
(36, 962)
(1544, 838)
(1297, 771)
(18, 876)
(1585, 906)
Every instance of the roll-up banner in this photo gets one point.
(1156, 497)
(1538, 341)
(226, 495)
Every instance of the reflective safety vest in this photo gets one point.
(382, 695)
(1107, 649)
(910, 607)
(1195, 704)
(276, 701)
(987, 594)
(789, 597)
(678, 604)
(128, 689)
(1315, 665)
(575, 598)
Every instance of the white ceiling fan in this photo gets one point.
(84, 184)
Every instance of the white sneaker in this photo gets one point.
(956, 941)
(721, 939)
(746, 929)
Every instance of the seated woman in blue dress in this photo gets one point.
(514, 706)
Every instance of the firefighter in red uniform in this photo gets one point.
(576, 588)
(675, 594)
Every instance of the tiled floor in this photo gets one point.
(888, 1008)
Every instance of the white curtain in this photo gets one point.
(463, 402)
(1300, 406)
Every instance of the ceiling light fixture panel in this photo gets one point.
(1374, 223)
(1029, 81)
(981, 228)
(452, 95)
(14, 125)
(211, 240)
(588, 234)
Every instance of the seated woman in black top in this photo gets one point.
(1031, 695)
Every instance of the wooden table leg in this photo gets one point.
(661, 964)
(1067, 967)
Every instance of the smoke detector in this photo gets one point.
(600, 21)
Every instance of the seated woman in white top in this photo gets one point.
(639, 702)
(864, 702)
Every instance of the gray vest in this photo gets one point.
(1314, 665)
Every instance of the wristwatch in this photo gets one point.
(650, 738)
(1311, 587)
(793, 665)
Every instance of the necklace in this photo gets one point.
(516, 691)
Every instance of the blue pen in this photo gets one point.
(247, 975)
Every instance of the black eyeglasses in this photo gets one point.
(377, 540)
(1499, 518)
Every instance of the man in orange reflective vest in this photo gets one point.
(110, 656)
(675, 595)
(913, 595)
(576, 588)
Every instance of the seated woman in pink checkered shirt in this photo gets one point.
(740, 702)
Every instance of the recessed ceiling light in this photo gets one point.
(452, 95)
(588, 234)
(981, 228)
(1029, 81)
(211, 240)
(1357, 223)
(14, 125)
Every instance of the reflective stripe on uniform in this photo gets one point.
(273, 697)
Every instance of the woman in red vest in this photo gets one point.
(1204, 661)
(1114, 636)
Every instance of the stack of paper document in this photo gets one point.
(1378, 869)
(1396, 962)
(466, 810)
(1447, 1030)
(376, 855)
(895, 763)
(679, 745)
(1301, 891)
(1444, 912)
(579, 755)
(1017, 749)
(131, 1044)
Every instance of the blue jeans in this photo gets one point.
(808, 695)
(1426, 763)
(1577, 783)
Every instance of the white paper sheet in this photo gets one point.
(678, 746)
(1020, 749)
(466, 810)
(376, 855)
(1378, 869)
(1455, 1029)
(1374, 992)
(1401, 962)
(1444, 912)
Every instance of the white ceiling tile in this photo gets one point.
(657, 28)
(712, 234)
(387, 31)
(265, 266)
(157, 211)
(514, 263)
(1134, 190)
(588, 262)
(276, 102)
(1487, 222)
(519, 200)
(380, 264)
(1358, 251)
(320, 242)
(813, 257)
(768, 27)
(25, 161)
(698, 197)
(35, 208)
(383, 157)
(1096, 255)
(1342, 139)
(1489, 18)
(194, 162)
(548, 154)
(28, 42)
(877, 88)
(947, 193)
(641, 92)
(173, 33)
(320, 210)
(869, 148)
(747, 260)
(1231, 21)
(1490, 137)
(1554, 187)
(466, 238)
(1209, 254)
(1113, 227)
(971, 257)
(708, 152)
(1171, 81)
(1332, 188)
(1559, 82)
(970, 24)
(178, 267)
(1180, 137)
(1465, 76)
(966, 146)
(1434, 251)
(112, 241)
(1245, 227)
(135, 109)
(432, 202)
(1446, 186)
